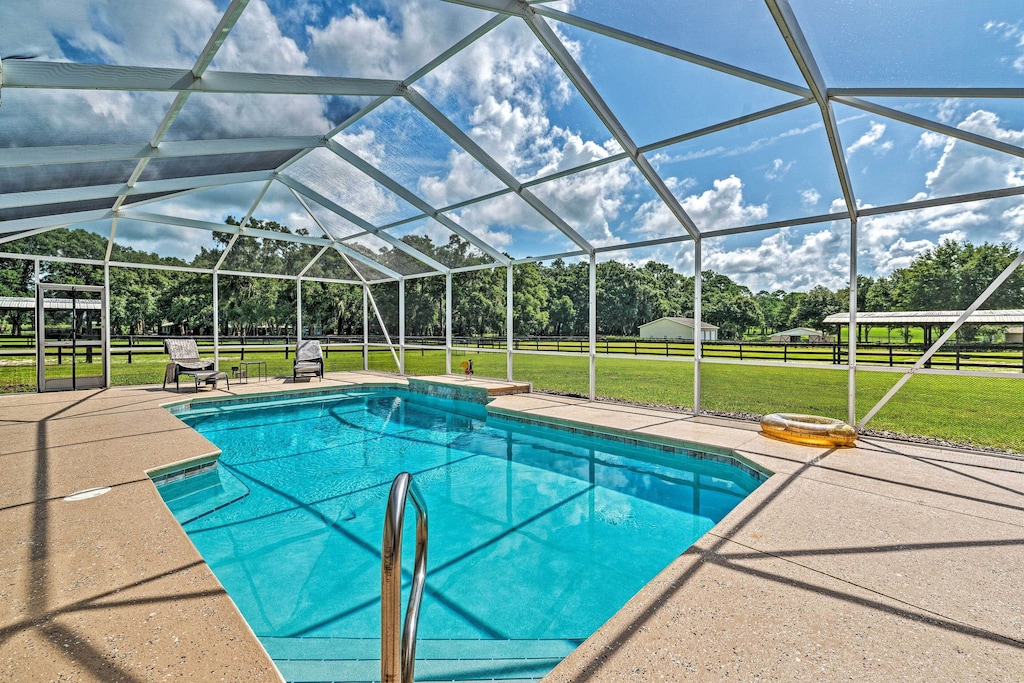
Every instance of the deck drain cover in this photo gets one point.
(88, 493)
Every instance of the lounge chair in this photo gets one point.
(185, 360)
(309, 360)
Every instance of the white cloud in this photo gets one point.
(592, 202)
(946, 110)
(784, 260)
(144, 34)
(930, 140)
(810, 198)
(393, 44)
(1013, 225)
(256, 44)
(723, 206)
(1010, 33)
(964, 167)
(955, 236)
(892, 241)
(719, 207)
(778, 170)
(870, 140)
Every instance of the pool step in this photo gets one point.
(192, 497)
(357, 660)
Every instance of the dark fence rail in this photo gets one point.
(959, 357)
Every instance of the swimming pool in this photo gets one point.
(538, 535)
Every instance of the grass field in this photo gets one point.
(980, 411)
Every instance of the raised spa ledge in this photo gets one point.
(466, 387)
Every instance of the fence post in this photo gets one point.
(741, 350)
(890, 355)
(131, 343)
(635, 351)
(243, 347)
(785, 352)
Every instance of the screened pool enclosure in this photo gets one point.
(789, 145)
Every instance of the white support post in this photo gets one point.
(593, 326)
(509, 321)
(298, 313)
(39, 329)
(106, 326)
(366, 327)
(448, 323)
(216, 322)
(401, 326)
(851, 401)
(698, 326)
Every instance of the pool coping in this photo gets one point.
(112, 437)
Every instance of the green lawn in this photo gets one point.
(973, 410)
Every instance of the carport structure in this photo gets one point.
(426, 127)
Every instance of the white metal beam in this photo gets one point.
(13, 157)
(620, 156)
(29, 233)
(785, 19)
(458, 47)
(521, 9)
(942, 201)
(510, 319)
(70, 76)
(575, 72)
(345, 250)
(409, 196)
(851, 351)
(220, 34)
(725, 125)
(698, 324)
(55, 221)
(77, 194)
(244, 222)
(671, 51)
(310, 193)
(161, 219)
(592, 326)
(972, 93)
(469, 145)
(982, 298)
(934, 126)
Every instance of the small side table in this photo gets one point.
(261, 370)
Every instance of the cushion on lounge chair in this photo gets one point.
(308, 350)
(184, 355)
(309, 359)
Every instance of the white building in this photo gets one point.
(799, 334)
(676, 328)
(1014, 335)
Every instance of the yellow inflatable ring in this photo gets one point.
(812, 430)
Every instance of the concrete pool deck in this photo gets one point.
(889, 561)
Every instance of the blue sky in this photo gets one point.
(507, 94)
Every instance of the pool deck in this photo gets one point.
(889, 561)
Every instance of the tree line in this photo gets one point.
(549, 299)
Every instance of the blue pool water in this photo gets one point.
(536, 534)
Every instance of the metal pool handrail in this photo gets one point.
(398, 650)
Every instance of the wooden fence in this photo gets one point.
(959, 357)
